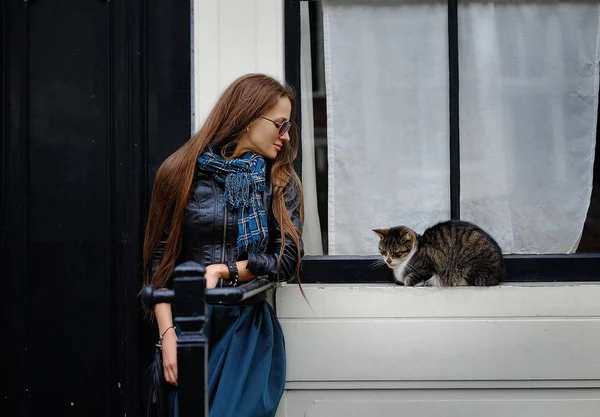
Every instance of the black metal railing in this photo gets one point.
(189, 298)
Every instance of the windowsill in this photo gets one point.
(391, 301)
(351, 334)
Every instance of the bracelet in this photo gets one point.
(166, 330)
(233, 274)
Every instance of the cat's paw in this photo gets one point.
(411, 281)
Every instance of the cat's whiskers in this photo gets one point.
(377, 263)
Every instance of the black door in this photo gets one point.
(95, 94)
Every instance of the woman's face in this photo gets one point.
(263, 135)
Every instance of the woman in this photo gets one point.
(230, 199)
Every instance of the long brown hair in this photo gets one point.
(245, 100)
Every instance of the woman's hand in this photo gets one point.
(214, 273)
(169, 355)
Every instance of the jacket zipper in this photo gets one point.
(224, 237)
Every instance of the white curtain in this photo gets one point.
(386, 67)
(311, 235)
(528, 114)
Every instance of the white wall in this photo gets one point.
(385, 350)
(232, 38)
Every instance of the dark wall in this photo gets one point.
(95, 94)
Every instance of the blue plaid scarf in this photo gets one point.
(244, 180)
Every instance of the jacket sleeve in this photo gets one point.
(158, 253)
(261, 264)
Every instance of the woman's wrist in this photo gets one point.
(167, 331)
(220, 270)
(223, 271)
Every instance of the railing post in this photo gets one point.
(189, 312)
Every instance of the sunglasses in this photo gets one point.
(283, 127)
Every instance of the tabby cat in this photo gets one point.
(448, 254)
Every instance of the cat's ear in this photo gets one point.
(381, 232)
(405, 238)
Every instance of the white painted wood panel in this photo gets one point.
(443, 403)
(386, 350)
(393, 301)
(442, 350)
(232, 38)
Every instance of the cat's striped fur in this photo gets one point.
(448, 254)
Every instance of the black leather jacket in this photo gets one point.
(210, 231)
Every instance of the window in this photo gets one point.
(415, 112)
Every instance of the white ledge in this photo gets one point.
(389, 333)
(394, 301)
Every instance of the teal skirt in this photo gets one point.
(246, 363)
